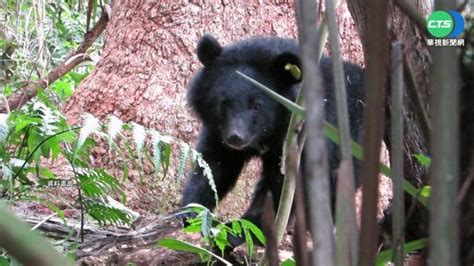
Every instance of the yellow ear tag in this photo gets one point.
(294, 70)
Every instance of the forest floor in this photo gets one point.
(153, 199)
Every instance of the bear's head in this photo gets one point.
(241, 114)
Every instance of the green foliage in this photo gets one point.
(4, 261)
(426, 191)
(288, 262)
(214, 233)
(39, 131)
(179, 245)
(38, 38)
(384, 257)
(424, 160)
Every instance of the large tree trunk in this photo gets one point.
(418, 59)
(149, 57)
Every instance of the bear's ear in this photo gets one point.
(208, 49)
(287, 66)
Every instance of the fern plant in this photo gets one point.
(39, 131)
(214, 234)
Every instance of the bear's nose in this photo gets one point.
(235, 140)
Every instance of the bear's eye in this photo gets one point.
(256, 106)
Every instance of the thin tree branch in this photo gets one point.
(397, 152)
(346, 225)
(18, 99)
(299, 237)
(316, 172)
(268, 227)
(375, 83)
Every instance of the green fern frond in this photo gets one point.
(197, 157)
(90, 125)
(3, 127)
(103, 213)
(6, 171)
(139, 135)
(113, 129)
(156, 144)
(49, 117)
(183, 157)
(96, 182)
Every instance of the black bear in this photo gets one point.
(239, 121)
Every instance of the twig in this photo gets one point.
(43, 221)
(299, 237)
(18, 99)
(268, 227)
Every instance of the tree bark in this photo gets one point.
(149, 57)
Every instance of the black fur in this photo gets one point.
(239, 121)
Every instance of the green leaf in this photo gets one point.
(385, 256)
(236, 228)
(166, 157)
(53, 145)
(33, 140)
(156, 144)
(288, 262)
(221, 238)
(77, 77)
(424, 160)
(206, 222)
(193, 227)
(184, 246)
(249, 241)
(4, 261)
(63, 88)
(426, 191)
(254, 229)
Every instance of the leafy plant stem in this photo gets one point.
(28, 158)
